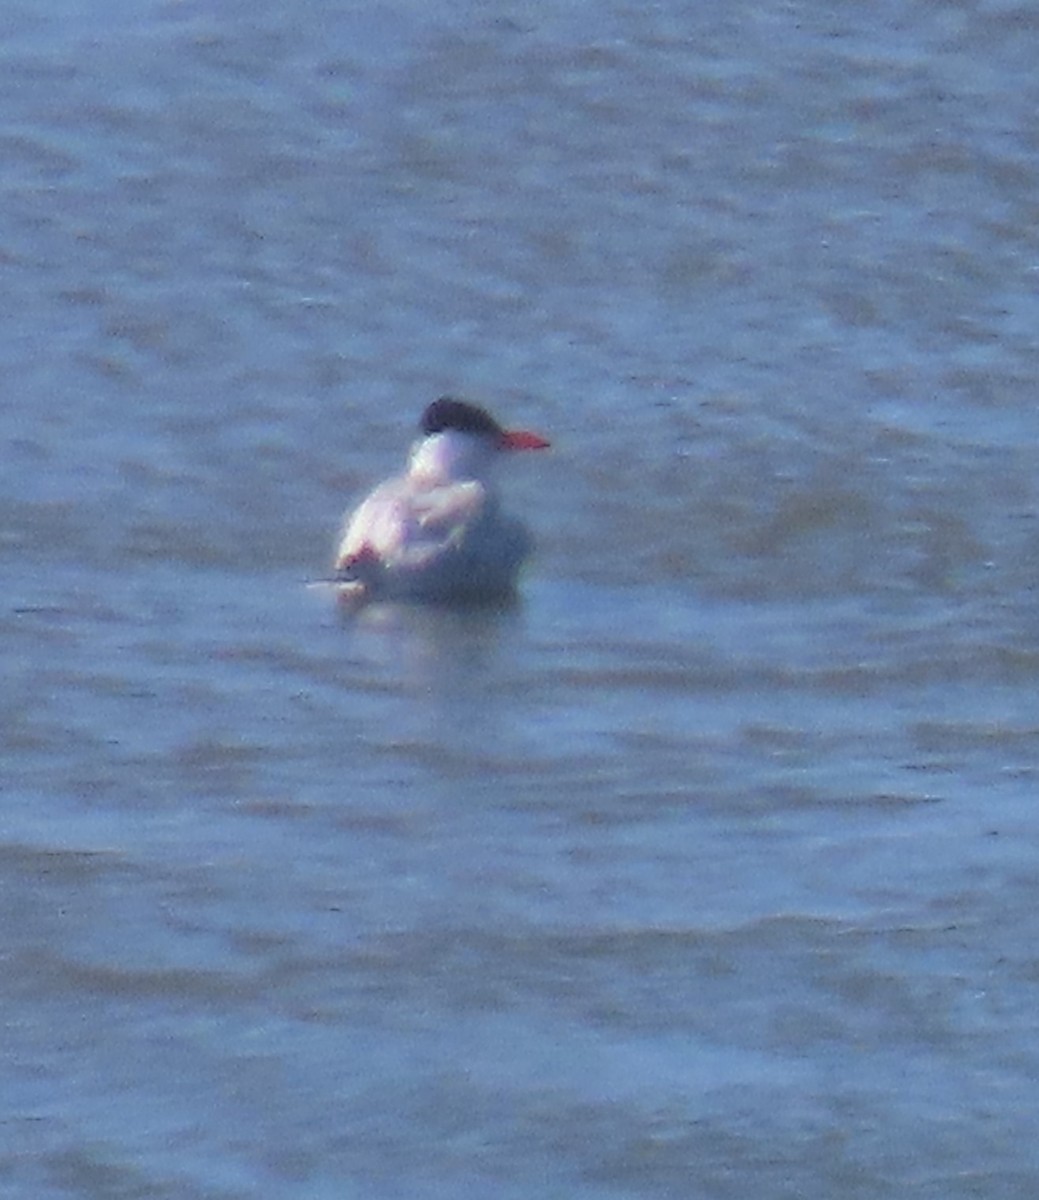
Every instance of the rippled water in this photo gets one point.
(706, 870)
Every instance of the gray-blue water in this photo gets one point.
(709, 870)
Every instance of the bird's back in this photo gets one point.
(442, 540)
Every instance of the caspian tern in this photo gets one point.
(437, 533)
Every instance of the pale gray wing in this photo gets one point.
(398, 525)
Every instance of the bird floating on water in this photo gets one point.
(437, 532)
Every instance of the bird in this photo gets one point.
(437, 533)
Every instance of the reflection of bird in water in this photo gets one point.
(437, 532)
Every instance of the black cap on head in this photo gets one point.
(449, 413)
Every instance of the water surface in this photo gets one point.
(708, 869)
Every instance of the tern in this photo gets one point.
(437, 533)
